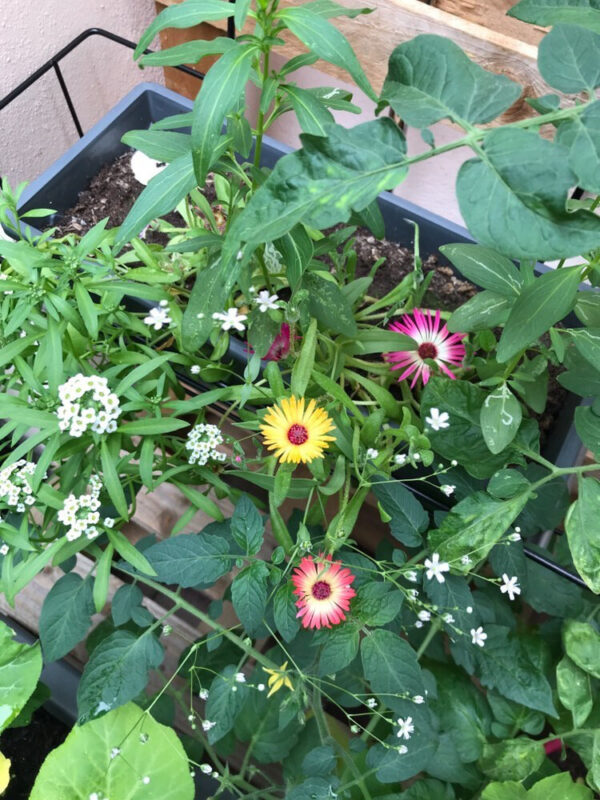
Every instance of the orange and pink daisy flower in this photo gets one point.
(434, 342)
(324, 591)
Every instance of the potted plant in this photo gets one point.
(431, 655)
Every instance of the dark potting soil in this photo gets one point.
(27, 748)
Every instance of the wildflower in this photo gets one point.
(402, 749)
(411, 576)
(436, 568)
(240, 677)
(15, 484)
(323, 590)
(207, 725)
(447, 489)
(206, 768)
(371, 702)
(400, 459)
(478, 636)
(465, 560)
(424, 616)
(515, 537)
(448, 619)
(4, 550)
(405, 728)
(80, 514)
(202, 442)
(109, 522)
(354, 728)
(195, 369)
(280, 346)
(203, 694)
(261, 687)
(434, 343)
(418, 699)
(87, 404)
(372, 453)
(157, 318)
(437, 419)
(469, 609)
(510, 586)
(297, 434)
(266, 301)
(278, 678)
(231, 319)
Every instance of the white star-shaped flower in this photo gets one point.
(157, 318)
(266, 301)
(231, 319)
(438, 419)
(405, 728)
(436, 568)
(447, 489)
(510, 586)
(478, 636)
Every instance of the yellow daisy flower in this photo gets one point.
(297, 434)
(4, 773)
(278, 679)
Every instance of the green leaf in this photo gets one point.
(249, 595)
(125, 600)
(582, 645)
(587, 425)
(323, 181)
(66, 615)
(390, 666)
(312, 115)
(430, 78)
(184, 15)
(20, 669)
(112, 483)
(152, 425)
(296, 248)
(302, 371)
(507, 790)
(262, 330)
(500, 418)
(377, 604)
(574, 690)
(473, 527)
(581, 137)
(159, 145)
(208, 294)
(220, 92)
(86, 308)
(190, 559)
(559, 787)
(322, 38)
(83, 765)
(327, 303)
(247, 527)
(285, 612)
(226, 699)
(485, 267)
(528, 178)
(376, 340)
(587, 341)
(540, 305)
(408, 517)
(116, 672)
(569, 59)
(340, 648)
(550, 12)
(161, 195)
(515, 759)
(186, 53)
(583, 532)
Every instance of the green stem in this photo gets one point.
(433, 629)
(260, 123)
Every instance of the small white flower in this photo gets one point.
(402, 749)
(146, 780)
(207, 725)
(465, 560)
(195, 369)
(405, 728)
(436, 568)
(418, 699)
(438, 419)
(199, 315)
(417, 456)
(478, 636)
(447, 489)
(448, 619)
(469, 609)
(266, 301)
(510, 586)
(400, 459)
(372, 453)
(109, 522)
(454, 462)
(203, 694)
(411, 576)
(114, 752)
(371, 702)
(261, 687)
(4, 550)
(354, 729)
(164, 303)
(413, 593)
(231, 319)
(157, 318)
(424, 616)
(418, 624)
(515, 537)
(240, 677)
(206, 768)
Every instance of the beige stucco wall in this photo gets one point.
(36, 128)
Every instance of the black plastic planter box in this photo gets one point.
(59, 186)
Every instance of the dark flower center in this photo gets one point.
(321, 590)
(427, 350)
(297, 434)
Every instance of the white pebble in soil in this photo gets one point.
(145, 168)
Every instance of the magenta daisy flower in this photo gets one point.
(323, 590)
(434, 342)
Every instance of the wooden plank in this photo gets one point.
(493, 16)
(375, 35)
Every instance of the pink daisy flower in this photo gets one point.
(434, 342)
(280, 346)
(323, 590)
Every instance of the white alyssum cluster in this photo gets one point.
(15, 487)
(87, 404)
(202, 442)
(81, 515)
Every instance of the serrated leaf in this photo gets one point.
(285, 612)
(408, 517)
(339, 650)
(126, 598)
(66, 615)
(249, 595)
(190, 559)
(569, 59)
(247, 527)
(224, 704)
(390, 665)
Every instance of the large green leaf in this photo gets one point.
(116, 672)
(20, 669)
(485, 267)
(190, 559)
(340, 648)
(587, 425)
(514, 199)
(324, 39)
(430, 78)
(184, 15)
(473, 527)
(514, 759)
(550, 12)
(390, 666)
(209, 293)
(539, 306)
(408, 517)
(500, 418)
(247, 526)
(226, 699)
(555, 787)
(327, 303)
(249, 595)
(322, 182)
(582, 645)
(160, 196)
(583, 532)
(220, 92)
(66, 615)
(311, 113)
(85, 765)
(569, 59)
(483, 311)
(574, 690)
(581, 136)
(188, 52)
